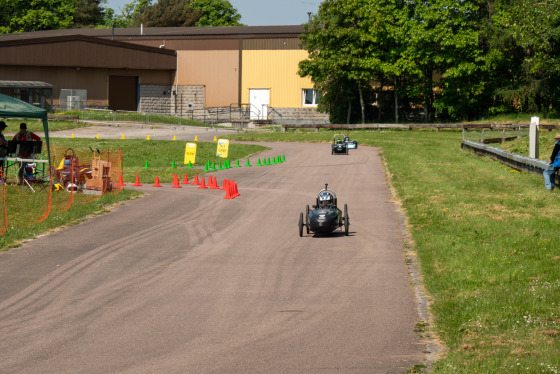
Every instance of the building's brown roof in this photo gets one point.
(25, 84)
(44, 39)
(228, 32)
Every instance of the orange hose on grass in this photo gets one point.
(4, 205)
(49, 200)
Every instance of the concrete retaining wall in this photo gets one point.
(297, 115)
(155, 99)
(188, 98)
(161, 99)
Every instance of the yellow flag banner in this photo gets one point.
(223, 148)
(190, 153)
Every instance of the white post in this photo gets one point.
(534, 138)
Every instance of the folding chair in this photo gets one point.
(32, 180)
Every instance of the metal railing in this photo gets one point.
(486, 136)
(93, 114)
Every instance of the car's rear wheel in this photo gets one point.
(301, 224)
(346, 220)
(307, 218)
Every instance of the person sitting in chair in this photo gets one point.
(25, 135)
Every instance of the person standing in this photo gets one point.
(549, 172)
(25, 135)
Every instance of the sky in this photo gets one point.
(259, 12)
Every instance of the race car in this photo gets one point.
(325, 216)
(350, 144)
(339, 145)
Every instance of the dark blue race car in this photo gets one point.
(339, 145)
(325, 216)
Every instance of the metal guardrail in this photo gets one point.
(518, 162)
(404, 126)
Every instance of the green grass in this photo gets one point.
(485, 236)
(25, 208)
(159, 155)
(36, 125)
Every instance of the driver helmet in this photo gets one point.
(346, 138)
(325, 199)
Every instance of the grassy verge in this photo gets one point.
(31, 207)
(36, 125)
(25, 208)
(158, 155)
(485, 237)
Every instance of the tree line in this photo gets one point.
(37, 15)
(427, 60)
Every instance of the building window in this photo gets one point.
(310, 97)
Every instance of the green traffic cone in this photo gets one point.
(220, 165)
(283, 158)
(190, 165)
(172, 164)
(248, 163)
(146, 165)
(259, 162)
(228, 164)
(206, 168)
(268, 161)
(237, 164)
(214, 168)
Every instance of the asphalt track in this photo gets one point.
(185, 281)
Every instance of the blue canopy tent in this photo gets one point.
(11, 107)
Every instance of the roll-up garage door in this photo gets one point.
(123, 92)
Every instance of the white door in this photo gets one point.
(259, 100)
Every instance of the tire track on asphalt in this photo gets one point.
(48, 284)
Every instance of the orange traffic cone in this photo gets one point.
(214, 184)
(121, 183)
(225, 185)
(196, 182)
(186, 180)
(175, 182)
(202, 185)
(137, 183)
(235, 192)
(157, 182)
(228, 192)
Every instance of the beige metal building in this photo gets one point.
(168, 70)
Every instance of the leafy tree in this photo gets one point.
(35, 15)
(524, 43)
(88, 13)
(446, 41)
(351, 44)
(170, 13)
(130, 15)
(216, 13)
(335, 64)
